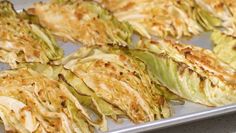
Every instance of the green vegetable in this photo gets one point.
(224, 47)
(217, 13)
(79, 89)
(165, 18)
(31, 102)
(191, 72)
(78, 118)
(24, 41)
(82, 21)
(108, 72)
(206, 19)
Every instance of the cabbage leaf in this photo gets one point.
(193, 73)
(82, 21)
(24, 41)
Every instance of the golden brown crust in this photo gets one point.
(84, 22)
(206, 61)
(156, 17)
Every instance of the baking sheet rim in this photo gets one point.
(176, 120)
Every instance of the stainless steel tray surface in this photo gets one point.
(181, 113)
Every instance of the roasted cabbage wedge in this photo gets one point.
(82, 21)
(223, 10)
(31, 102)
(120, 80)
(23, 41)
(79, 89)
(231, 4)
(191, 72)
(156, 17)
(224, 47)
(206, 19)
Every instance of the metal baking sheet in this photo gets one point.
(181, 113)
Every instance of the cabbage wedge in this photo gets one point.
(223, 10)
(79, 89)
(23, 41)
(217, 7)
(31, 102)
(231, 4)
(206, 19)
(82, 21)
(120, 80)
(224, 47)
(191, 72)
(156, 17)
